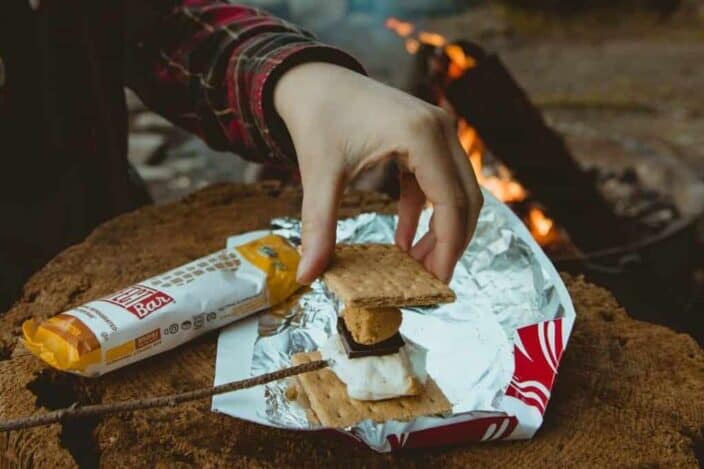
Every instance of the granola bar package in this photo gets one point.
(168, 310)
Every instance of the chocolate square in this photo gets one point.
(355, 350)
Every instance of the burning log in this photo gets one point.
(489, 99)
(480, 90)
(637, 239)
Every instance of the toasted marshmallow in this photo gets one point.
(377, 378)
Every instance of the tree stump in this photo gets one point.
(628, 394)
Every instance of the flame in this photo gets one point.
(501, 185)
(412, 45)
(459, 61)
(541, 227)
(402, 28)
(498, 179)
(457, 55)
(432, 39)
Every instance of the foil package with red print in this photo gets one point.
(494, 352)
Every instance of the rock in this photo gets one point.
(628, 393)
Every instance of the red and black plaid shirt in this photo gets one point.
(207, 65)
(210, 67)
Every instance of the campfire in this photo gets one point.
(491, 174)
(625, 231)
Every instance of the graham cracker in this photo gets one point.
(381, 275)
(370, 326)
(295, 393)
(328, 399)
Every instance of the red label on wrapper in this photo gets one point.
(537, 352)
(140, 300)
(482, 429)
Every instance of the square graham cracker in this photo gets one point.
(328, 399)
(370, 326)
(381, 275)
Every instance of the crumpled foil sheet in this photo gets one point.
(500, 286)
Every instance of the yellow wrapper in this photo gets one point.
(168, 310)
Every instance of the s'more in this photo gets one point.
(375, 373)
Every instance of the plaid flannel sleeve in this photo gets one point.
(210, 67)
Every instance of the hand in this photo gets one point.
(342, 122)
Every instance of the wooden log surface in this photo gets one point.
(628, 393)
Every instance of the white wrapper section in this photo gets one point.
(494, 352)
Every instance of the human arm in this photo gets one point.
(210, 67)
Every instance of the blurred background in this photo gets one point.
(603, 97)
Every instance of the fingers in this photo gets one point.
(423, 247)
(321, 196)
(432, 162)
(410, 206)
(467, 178)
(448, 232)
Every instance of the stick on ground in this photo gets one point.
(151, 402)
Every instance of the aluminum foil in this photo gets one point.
(502, 282)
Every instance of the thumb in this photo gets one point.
(321, 197)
